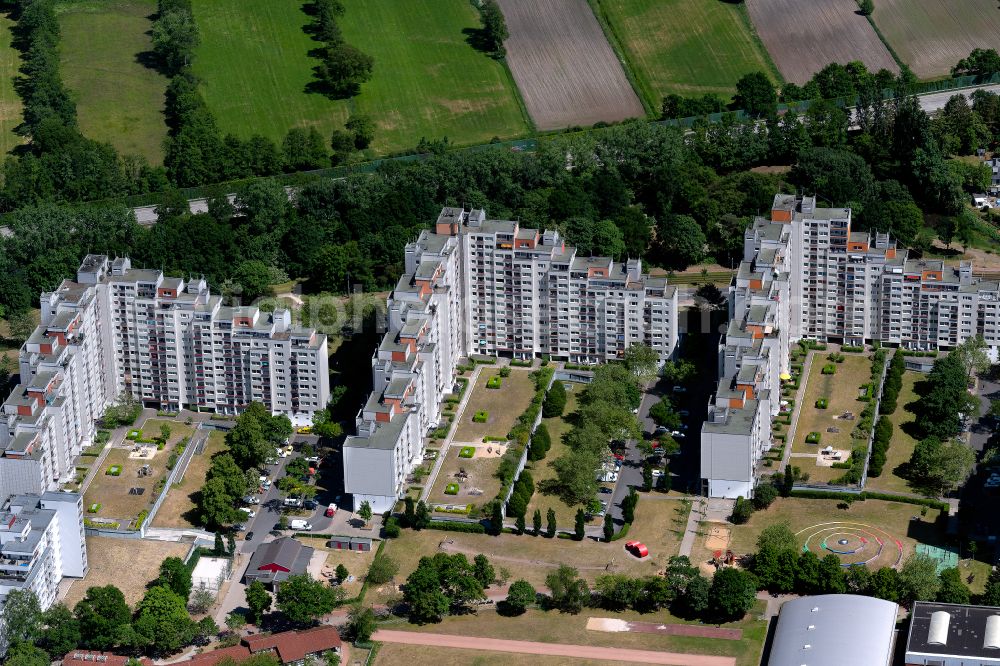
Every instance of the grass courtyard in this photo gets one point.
(688, 47)
(532, 558)
(119, 99)
(427, 80)
(128, 564)
(179, 509)
(503, 405)
(902, 443)
(542, 470)
(112, 491)
(841, 391)
(478, 487)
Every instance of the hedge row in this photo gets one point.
(893, 384)
(869, 495)
(455, 526)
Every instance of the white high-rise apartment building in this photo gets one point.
(168, 342)
(488, 287)
(41, 542)
(805, 274)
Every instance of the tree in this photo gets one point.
(253, 277)
(663, 414)
(581, 521)
(550, 518)
(343, 69)
(742, 510)
(536, 522)
(496, 518)
(303, 150)
(162, 621)
(201, 600)
(365, 512)
(258, 601)
(361, 623)
(175, 37)
(520, 595)
(609, 527)
(642, 361)
(831, 574)
(682, 241)
(342, 573)
(382, 570)
(991, 594)
(303, 600)
(619, 591)
(953, 589)
(439, 583)
(807, 574)
(22, 617)
(555, 401)
(938, 466)
(867, 7)
(755, 94)
(695, 600)
(342, 145)
(974, 354)
(541, 441)
(483, 570)
(979, 62)
(569, 592)
(423, 594)
(422, 516)
(629, 503)
(494, 26)
(886, 584)
(918, 578)
(102, 614)
(60, 630)
(175, 575)
(220, 546)
(764, 496)
(778, 536)
(731, 595)
(26, 654)
(362, 127)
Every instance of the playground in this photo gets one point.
(472, 479)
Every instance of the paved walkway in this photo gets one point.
(799, 396)
(446, 444)
(695, 516)
(550, 649)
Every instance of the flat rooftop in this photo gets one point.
(963, 631)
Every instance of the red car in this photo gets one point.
(637, 548)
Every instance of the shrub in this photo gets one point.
(505, 372)
(742, 511)
(114, 470)
(829, 369)
(451, 489)
(482, 416)
(555, 401)
(852, 348)
(764, 496)
(455, 526)
(835, 357)
(134, 435)
(467, 452)
(813, 438)
(494, 382)
(94, 508)
(822, 403)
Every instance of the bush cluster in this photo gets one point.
(343, 68)
(893, 384)
(880, 445)
(524, 488)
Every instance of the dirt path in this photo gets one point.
(551, 649)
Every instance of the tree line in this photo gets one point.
(343, 68)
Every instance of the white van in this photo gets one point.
(301, 525)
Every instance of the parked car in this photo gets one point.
(660, 430)
(310, 504)
(683, 413)
(637, 548)
(635, 411)
(250, 513)
(330, 511)
(680, 389)
(251, 499)
(248, 537)
(604, 490)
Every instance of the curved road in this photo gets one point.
(550, 649)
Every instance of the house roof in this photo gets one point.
(280, 558)
(294, 645)
(237, 653)
(90, 658)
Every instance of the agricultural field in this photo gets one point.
(932, 36)
(804, 37)
(128, 564)
(119, 99)
(428, 81)
(10, 103)
(688, 47)
(562, 62)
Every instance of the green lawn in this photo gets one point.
(901, 445)
(427, 81)
(119, 100)
(542, 469)
(10, 103)
(688, 47)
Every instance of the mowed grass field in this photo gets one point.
(931, 36)
(10, 103)
(119, 100)
(902, 444)
(427, 81)
(562, 62)
(805, 37)
(688, 47)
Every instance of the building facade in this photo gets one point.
(167, 342)
(806, 274)
(41, 542)
(489, 287)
